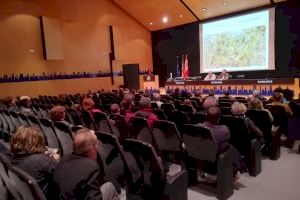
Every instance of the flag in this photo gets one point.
(182, 66)
(177, 67)
(186, 71)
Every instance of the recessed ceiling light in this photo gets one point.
(180, 16)
(31, 50)
(225, 3)
(165, 19)
(151, 23)
(204, 9)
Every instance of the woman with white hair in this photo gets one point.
(239, 110)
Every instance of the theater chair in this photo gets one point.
(102, 122)
(5, 132)
(201, 148)
(73, 117)
(15, 119)
(179, 118)
(199, 117)
(186, 109)
(262, 120)
(64, 136)
(120, 127)
(9, 121)
(149, 179)
(50, 135)
(139, 129)
(27, 186)
(241, 139)
(23, 119)
(167, 108)
(114, 164)
(88, 120)
(160, 114)
(170, 144)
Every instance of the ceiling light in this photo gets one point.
(180, 16)
(225, 3)
(165, 19)
(204, 9)
(151, 23)
(31, 50)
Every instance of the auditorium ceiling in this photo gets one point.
(150, 13)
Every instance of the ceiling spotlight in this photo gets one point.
(151, 23)
(204, 9)
(31, 50)
(180, 16)
(225, 3)
(165, 19)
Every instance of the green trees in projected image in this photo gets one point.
(237, 48)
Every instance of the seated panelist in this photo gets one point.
(210, 76)
(223, 75)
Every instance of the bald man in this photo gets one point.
(78, 176)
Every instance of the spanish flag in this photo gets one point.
(186, 71)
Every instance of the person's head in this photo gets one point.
(256, 93)
(61, 99)
(115, 109)
(127, 102)
(25, 101)
(255, 103)
(8, 102)
(226, 93)
(211, 92)
(209, 102)
(156, 97)
(187, 102)
(76, 106)
(238, 109)
(288, 94)
(277, 97)
(27, 140)
(85, 143)
(213, 115)
(210, 73)
(57, 113)
(224, 71)
(145, 102)
(88, 104)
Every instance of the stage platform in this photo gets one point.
(237, 86)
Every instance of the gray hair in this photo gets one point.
(145, 102)
(83, 140)
(238, 108)
(156, 96)
(209, 102)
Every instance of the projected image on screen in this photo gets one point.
(237, 44)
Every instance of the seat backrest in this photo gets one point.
(186, 109)
(113, 159)
(154, 105)
(15, 118)
(160, 114)
(167, 107)
(23, 119)
(102, 122)
(120, 127)
(262, 120)
(44, 111)
(199, 117)
(73, 116)
(139, 129)
(149, 177)
(88, 120)
(26, 185)
(50, 135)
(280, 117)
(64, 136)
(34, 121)
(167, 136)
(225, 110)
(240, 137)
(179, 118)
(11, 125)
(199, 143)
(5, 126)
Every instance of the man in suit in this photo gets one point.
(78, 175)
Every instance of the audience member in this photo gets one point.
(156, 99)
(115, 109)
(78, 176)
(256, 104)
(256, 94)
(210, 76)
(25, 105)
(88, 104)
(28, 149)
(228, 96)
(58, 114)
(189, 103)
(209, 102)
(277, 100)
(127, 106)
(223, 75)
(146, 111)
(9, 103)
(239, 110)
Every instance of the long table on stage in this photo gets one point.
(237, 86)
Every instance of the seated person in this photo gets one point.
(277, 100)
(127, 106)
(58, 114)
(220, 132)
(209, 102)
(223, 75)
(115, 109)
(256, 104)
(256, 94)
(146, 111)
(156, 99)
(28, 149)
(78, 176)
(25, 105)
(189, 103)
(227, 96)
(88, 104)
(239, 110)
(210, 76)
